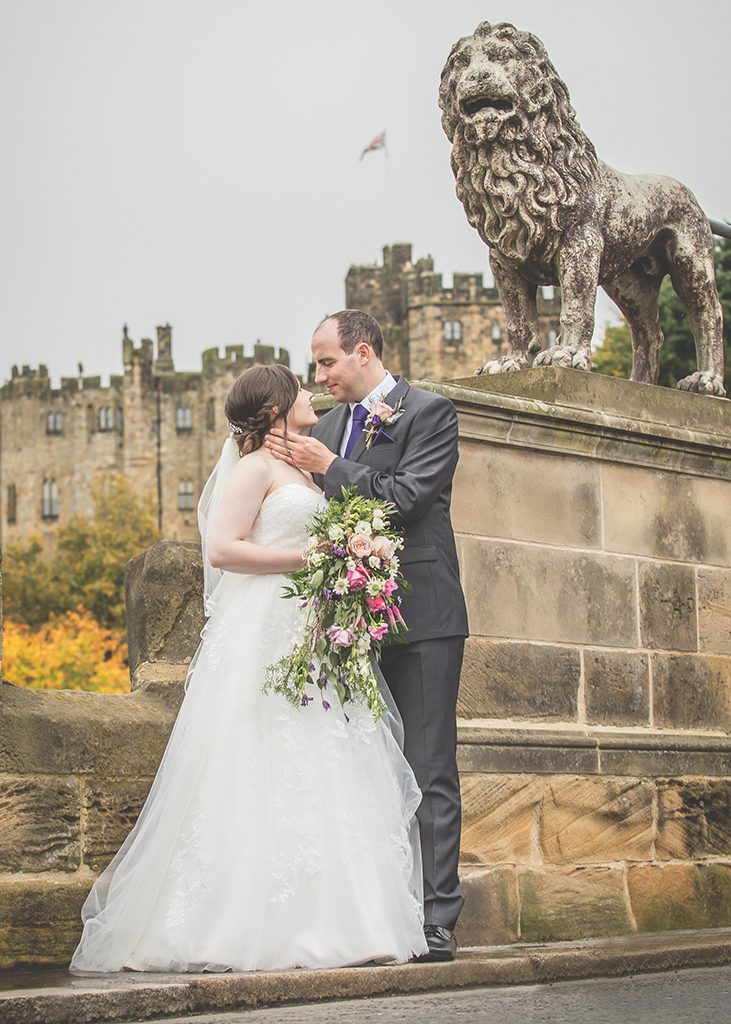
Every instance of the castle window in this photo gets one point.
(11, 504)
(211, 414)
(452, 332)
(185, 496)
(54, 423)
(105, 418)
(183, 419)
(49, 500)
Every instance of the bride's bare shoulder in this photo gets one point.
(254, 469)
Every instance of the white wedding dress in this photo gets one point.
(272, 837)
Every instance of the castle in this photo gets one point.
(159, 427)
(432, 332)
(162, 428)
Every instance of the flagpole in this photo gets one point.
(386, 197)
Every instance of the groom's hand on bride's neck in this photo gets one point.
(300, 451)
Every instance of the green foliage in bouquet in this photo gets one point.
(349, 586)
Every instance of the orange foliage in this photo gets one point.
(69, 652)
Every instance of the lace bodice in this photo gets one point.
(285, 515)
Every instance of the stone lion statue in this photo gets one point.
(552, 213)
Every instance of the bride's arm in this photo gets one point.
(228, 547)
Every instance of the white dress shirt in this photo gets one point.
(377, 394)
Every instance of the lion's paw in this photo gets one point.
(703, 384)
(570, 356)
(504, 364)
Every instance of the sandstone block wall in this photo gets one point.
(594, 535)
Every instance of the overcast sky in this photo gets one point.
(196, 161)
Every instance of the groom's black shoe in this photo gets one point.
(441, 942)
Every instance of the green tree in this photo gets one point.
(87, 568)
(677, 358)
(614, 355)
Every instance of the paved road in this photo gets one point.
(701, 996)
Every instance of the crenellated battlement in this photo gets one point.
(234, 358)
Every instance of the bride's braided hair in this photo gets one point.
(250, 403)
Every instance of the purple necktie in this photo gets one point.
(360, 415)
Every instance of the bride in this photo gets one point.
(272, 837)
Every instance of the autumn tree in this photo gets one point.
(87, 567)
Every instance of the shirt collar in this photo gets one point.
(379, 392)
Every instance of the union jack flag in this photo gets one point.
(378, 143)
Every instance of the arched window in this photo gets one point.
(452, 332)
(49, 500)
(54, 423)
(105, 418)
(185, 496)
(183, 419)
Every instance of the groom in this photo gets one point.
(410, 462)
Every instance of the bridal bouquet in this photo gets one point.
(349, 586)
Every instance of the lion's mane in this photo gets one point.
(516, 188)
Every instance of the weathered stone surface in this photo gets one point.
(531, 751)
(693, 818)
(65, 732)
(40, 917)
(616, 687)
(500, 818)
(646, 404)
(518, 680)
(528, 592)
(505, 492)
(668, 617)
(666, 515)
(491, 912)
(111, 807)
(39, 823)
(692, 691)
(595, 820)
(714, 610)
(164, 594)
(680, 896)
(572, 903)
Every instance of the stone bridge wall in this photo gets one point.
(595, 734)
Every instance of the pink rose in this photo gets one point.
(339, 636)
(378, 632)
(376, 604)
(357, 578)
(360, 545)
(385, 412)
(390, 586)
(383, 547)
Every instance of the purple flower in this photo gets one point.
(312, 666)
(325, 594)
(306, 700)
(323, 679)
(339, 552)
(376, 421)
(326, 705)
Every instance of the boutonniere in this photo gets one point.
(380, 416)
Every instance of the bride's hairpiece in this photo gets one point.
(235, 429)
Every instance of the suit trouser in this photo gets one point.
(424, 679)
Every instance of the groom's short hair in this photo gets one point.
(355, 327)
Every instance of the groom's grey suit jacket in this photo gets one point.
(412, 467)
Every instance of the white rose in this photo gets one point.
(378, 523)
(363, 527)
(335, 532)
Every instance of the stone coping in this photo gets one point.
(509, 749)
(608, 396)
(54, 997)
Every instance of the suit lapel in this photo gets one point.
(402, 386)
